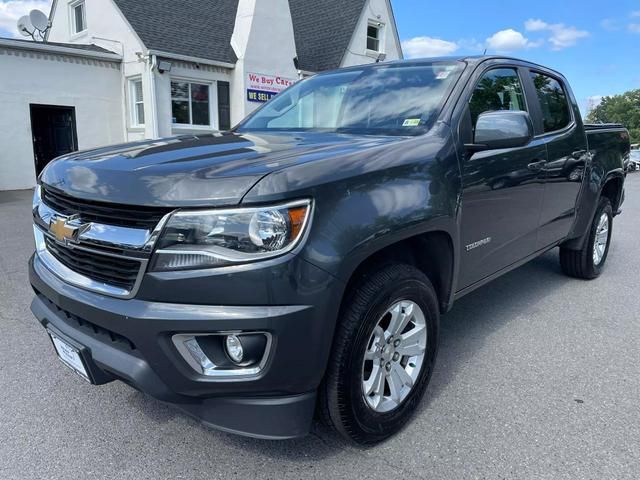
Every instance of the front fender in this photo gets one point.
(372, 199)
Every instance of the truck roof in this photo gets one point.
(469, 59)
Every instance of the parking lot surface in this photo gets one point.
(538, 376)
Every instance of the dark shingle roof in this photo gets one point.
(196, 28)
(203, 28)
(323, 30)
(77, 46)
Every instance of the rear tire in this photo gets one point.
(374, 382)
(588, 262)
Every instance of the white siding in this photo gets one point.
(92, 87)
(378, 10)
(107, 28)
(264, 43)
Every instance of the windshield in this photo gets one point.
(635, 154)
(383, 100)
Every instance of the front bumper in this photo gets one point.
(130, 340)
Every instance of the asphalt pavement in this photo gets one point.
(538, 376)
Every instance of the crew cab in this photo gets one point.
(300, 262)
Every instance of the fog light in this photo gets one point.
(224, 354)
(233, 347)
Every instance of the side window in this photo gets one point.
(498, 89)
(553, 102)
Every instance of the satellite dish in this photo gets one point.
(25, 27)
(39, 20)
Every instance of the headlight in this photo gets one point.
(215, 238)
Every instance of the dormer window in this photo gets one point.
(374, 36)
(78, 17)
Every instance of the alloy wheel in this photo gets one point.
(394, 356)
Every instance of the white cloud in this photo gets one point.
(12, 10)
(561, 35)
(418, 47)
(634, 27)
(535, 25)
(564, 37)
(635, 14)
(509, 40)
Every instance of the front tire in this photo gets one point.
(383, 354)
(588, 262)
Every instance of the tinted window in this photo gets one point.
(498, 89)
(553, 101)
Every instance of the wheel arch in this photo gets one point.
(612, 187)
(432, 252)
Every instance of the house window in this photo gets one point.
(137, 102)
(190, 103)
(78, 17)
(374, 34)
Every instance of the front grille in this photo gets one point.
(115, 271)
(99, 333)
(106, 213)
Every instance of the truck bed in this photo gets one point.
(592, 127)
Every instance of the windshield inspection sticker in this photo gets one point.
(411, 122)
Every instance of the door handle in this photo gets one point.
(535, 166)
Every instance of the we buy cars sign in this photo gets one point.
(261, 88)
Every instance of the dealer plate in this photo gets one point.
(69, 355)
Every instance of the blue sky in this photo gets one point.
(596, 44)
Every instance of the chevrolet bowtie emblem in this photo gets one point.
(67, 229)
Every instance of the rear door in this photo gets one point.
(502, 189)
(567, 152)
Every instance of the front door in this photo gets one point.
(54, 133)
(502, 189)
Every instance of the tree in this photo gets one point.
(624, 109)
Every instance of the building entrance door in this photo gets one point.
(53, 130)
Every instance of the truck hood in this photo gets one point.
(204, 170)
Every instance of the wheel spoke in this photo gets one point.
(400, 316)
(395, 386)
(412, 342)
(402, 375)
(373, 385)
(377, 339)
(378, 334)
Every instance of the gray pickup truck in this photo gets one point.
(300, 262)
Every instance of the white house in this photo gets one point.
(123, 70)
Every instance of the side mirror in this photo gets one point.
(502, 129)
